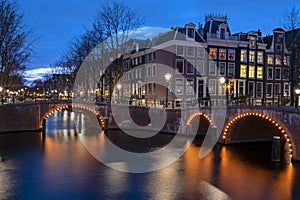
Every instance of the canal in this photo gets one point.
(58, 166)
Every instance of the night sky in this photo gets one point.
(57, 22)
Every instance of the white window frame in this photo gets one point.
(187, 87)
(233, 50)
(182, 50)
(276, 68)
(149, 71)
(193, 51)
(270, 78)
(212, 82)
(224, 55)
(271, 95)
(193, 66)
(232, 64)
(200, 52)
(219, 70)
(200, 63)
(214, 64)
(181, 60)
(176, 91)
(154, 70)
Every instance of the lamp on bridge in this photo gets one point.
(167, 77)
(119, 86)
(297, 91)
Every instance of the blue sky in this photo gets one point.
(57, 22)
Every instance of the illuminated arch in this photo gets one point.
(206, 116)
(65, 107)
(274, 122)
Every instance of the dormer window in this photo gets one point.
(191, 32)
(222, 33)
(252, 42)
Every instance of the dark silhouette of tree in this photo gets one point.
(291, 19)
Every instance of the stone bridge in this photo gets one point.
(234, 124)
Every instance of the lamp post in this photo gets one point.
(119, 86)
(297, 91)
(167, 77)
(222, 81)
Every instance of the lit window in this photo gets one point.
(213, 53)
(212, 68)
(260, 57)
(278, 60)
(270, 59)
(231, 69)
(179, 86)
(200, 67)
(231, 54)
(244, 55)
(259, 72)
(189, 87)
(277, 73)
(251, 56)
(252, 42)
(251, 71)
(222, 54)
(190, 51)
(222, 68)
(179, 66)
(190, 67)
(243, 71)
(270, 73)
(179, 50)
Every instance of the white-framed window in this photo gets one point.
(231, 69)
(270, 73)
(222, 54)
(200, 67)
(154, 70)
(153, 88)
(190, 67)
(140, 59)
(251, 71)
(222, 68)
(278, 60)
(252, 56)
(140, 72)
(212, 86)
(259, 89)
(252, 42)
(189, 87)
(213, 53)
(251, 88)
(269, 90)
(191, 32)
(133, 74)
(277, 73)
(260, 72)
(180, 50)
(285, 74)
(260, 57)
(179, 66)
(149, 88)
(286, 60)
(179, 86)
(212, 68)
(190, 51)
(154, 55)
(231, 54)
(270, 59)
(148, 70)
(243, 71)
(244, 55)
(136, 73)
(286, 90)
(241, 87)
(277, 89)
(200, 52)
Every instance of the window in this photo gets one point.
(189, 87)
(260, 57)
(251, 71)
(277, 73)
(259, 72)
(278, 47)
(140, 60)
(269, 90)
(270, 59)
(136, 73)
(154, 70)
(154, 55)
(231, 54)
(286, 60)
(213, 53)
(200, 67)
(241, 87)
(251, 89)
(140, 72)
(179, 50)
(277, 89)
(278, 60)
(252, 56)
(190, 67)
(222, 68)
(231, 69)
(200, 52)
(222, 33)
(149, 57)
(243, 72)
(190, 51)
(259, 89)
(286, 89)
(212, 86)
(191, 33)
(222, 54)
(270, 73)
(153, 88)
(244, 55)
(132, 75)
(179, 66)
(148, 70)
(285, 74)
(252, 42)
(212, 68)
(179, 86)
(149, 88)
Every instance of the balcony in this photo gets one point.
(217, 36)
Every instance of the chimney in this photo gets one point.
(259, 32)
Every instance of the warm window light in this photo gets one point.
(297, 91)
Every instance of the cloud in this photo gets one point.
(34, 74)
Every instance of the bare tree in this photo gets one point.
(291, 19)
(15, 42)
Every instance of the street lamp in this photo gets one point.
(167, 77)
(297, 91)
(119, 86)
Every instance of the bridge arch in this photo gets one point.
(193, 117)
(71, 108)
(226, 133)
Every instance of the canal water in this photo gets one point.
(58, 166)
